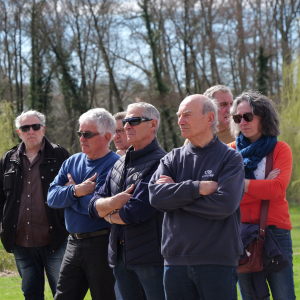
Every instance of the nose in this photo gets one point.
(127, 126)
(228, 108)
(31, 130)
(181, 120)
(243, 121)
(82, 138)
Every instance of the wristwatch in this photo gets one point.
(109, 215)
(74, 192)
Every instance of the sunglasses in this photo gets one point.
(26, 128)
(135, 121)
(248, 117)
(86, 135)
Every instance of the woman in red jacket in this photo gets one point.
(256, 127)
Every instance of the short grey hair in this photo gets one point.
(217, 88)
(30, 113)
(103, 119)
(208, 106)
(261, 106)
(149, 111)
(120, 115)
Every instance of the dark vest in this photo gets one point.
(142, 241)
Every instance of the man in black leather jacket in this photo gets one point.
(35, 233)
(134, 248)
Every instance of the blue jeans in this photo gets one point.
(139, 283)
(282, 283)
(205, 282)
(31, 263)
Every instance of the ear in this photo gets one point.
(44, 128)
(154, 123)
(107, 137)
(210, 118)
(18, 130)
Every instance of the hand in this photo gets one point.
(273, 174)
(207, 187)
(121, 152)
(164, 179)
(120, 199)
(87, 187)
(247, 182)
(71, 180)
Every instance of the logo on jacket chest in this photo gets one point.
(208, 173)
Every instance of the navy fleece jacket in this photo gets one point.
(200, 229)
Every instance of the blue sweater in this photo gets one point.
(200, 229)
(76, 209)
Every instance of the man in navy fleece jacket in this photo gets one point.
(199, 187)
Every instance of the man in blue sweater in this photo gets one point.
(199, 187)
(134, 246)
(85, 262)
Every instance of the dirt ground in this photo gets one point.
(7, 273)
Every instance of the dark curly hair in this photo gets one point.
(261, 106)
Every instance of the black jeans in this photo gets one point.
(85, 266)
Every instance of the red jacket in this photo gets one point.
(273, 190)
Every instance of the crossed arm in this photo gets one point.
(105, 206)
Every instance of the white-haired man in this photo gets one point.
(85, 263)
(32, 231)
(134, 247)
(199, 187)
(224, 97)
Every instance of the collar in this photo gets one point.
(21, 148)
(133, 155)
(48, 148)
(209, 147)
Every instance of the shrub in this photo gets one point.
(290, 123)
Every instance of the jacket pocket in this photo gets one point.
(8, 180)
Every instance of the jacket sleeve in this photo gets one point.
(169, 196)
(226, 200)
(2, 195)
(138, 208)
(272, 189)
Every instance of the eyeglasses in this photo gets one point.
(248, 117)
(120, 131)
(135, 121)
(26, 128)
(87, 135)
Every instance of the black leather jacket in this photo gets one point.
(11, 184)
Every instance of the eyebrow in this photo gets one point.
(184, 112)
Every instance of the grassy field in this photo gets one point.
(10, 287)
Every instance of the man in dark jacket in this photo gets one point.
(134, 249)
(32, 231)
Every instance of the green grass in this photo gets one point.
(10, 287)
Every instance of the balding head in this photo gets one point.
(197, 117)
(202, 105)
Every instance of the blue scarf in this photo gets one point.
(255, 152)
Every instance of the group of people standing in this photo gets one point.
(142, 222)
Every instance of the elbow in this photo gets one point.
(155, 202)
(231, 208)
